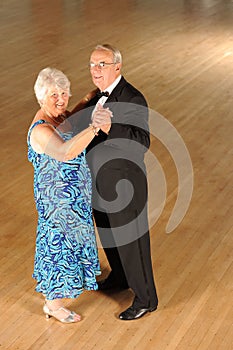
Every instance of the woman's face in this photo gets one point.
(55, 102)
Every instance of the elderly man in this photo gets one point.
(116, 159)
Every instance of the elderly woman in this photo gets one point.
(66, 259)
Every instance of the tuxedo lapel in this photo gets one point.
(117, 91)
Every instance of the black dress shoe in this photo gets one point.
(108, 284)
(133, 313)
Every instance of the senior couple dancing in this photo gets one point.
(89, 163)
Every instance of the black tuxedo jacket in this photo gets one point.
(130, 117)
(116, 160)
(120, 156)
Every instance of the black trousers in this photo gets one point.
(130, 263)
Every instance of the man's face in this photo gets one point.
(103, 77)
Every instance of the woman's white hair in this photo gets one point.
(50, 78)
(117, 57)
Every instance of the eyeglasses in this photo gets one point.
(100, 65)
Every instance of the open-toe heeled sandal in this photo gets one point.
(52, 313)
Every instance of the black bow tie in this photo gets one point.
(102, 93)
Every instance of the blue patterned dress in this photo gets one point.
(66, 257)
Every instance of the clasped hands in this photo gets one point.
(101, 118)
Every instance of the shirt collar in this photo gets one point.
(113, 85)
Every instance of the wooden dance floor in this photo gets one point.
(179, 53)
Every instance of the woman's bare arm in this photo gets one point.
(45, 139)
